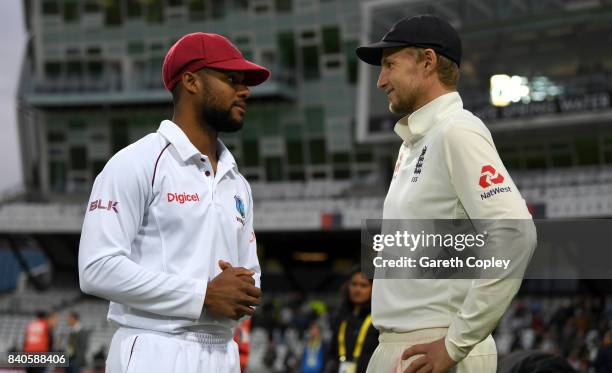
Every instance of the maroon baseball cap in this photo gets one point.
(195, 51)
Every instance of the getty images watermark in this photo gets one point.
(413, 241)
(473, 249)
(446, 249)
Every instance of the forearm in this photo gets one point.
(488, 299)
(119, 279)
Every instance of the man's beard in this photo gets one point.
(407, 104)
(221, 120)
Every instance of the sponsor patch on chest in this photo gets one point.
(182, 198)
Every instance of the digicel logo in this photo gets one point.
(489, 176)
(183, 197)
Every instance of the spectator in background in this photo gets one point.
(354, 338)
(76, 346)
(99, 360)
(603, 362)
(242, 338)
(54, 340)
(37, 338)
(313, 359)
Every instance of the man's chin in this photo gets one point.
(395, 109)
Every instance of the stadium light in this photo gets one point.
(506, 89)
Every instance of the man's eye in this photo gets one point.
(234, 80)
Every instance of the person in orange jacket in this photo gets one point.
(37, 337)
(242, 338)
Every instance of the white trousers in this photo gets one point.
(145, 351)
(387, 357)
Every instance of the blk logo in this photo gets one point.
(489, 176)
(111, 205)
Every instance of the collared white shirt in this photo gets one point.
(448, 168)
(157, 223)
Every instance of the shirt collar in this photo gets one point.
(186, 150)
(413, 127)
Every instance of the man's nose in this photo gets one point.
(382, 79)
(244, 92)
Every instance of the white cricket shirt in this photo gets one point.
(157, 223)
(448, 168)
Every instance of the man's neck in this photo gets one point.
(433, 93)
(204, 138)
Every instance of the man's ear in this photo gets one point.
(191, 82)
(431, 60)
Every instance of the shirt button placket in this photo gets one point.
(207, 174)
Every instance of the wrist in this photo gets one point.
(209, 286)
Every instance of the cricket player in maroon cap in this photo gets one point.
(168, 233)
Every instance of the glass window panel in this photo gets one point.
(56, 137)
(341, 158)
(136, 47)
(155, 11)
(119, 134)
(286, 46)
(71, 11)
(241, 4)
(74, 69)
(92, 6)
(78, 157)
(218, 9)
(342, 173)
(587, 149)
(310, 61)
(112, 12)
(134, 8)
(295, 152)
(96, 168)
(50, 7)
(351, 61)
(297, 176)
(364, 155)
(57, 176)
(95, 69)
(317, 151)
(53, 70)
(331, 40)
(315, 120)
(197, 10)
(274, 169)
(283, 6)
(535, 161)
(250, 152)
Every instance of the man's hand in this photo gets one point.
(245, 276)
(232, 293)
(435, 358)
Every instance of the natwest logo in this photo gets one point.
(489, 176)
(98, 204)
(183, 197)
